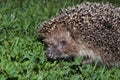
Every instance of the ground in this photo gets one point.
(22, 55)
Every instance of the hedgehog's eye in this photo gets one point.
(63, 42)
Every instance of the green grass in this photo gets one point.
(22, 56)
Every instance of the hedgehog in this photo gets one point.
(90, 30)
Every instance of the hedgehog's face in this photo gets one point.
(60, 45)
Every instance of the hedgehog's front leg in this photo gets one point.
(87, 60)
(89, 54)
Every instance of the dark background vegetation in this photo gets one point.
(22, 56)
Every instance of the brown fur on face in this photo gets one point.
(60, 44)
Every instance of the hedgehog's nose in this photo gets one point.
(53, 53)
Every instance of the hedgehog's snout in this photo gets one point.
(53, 53)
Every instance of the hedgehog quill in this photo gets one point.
(91, 30)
